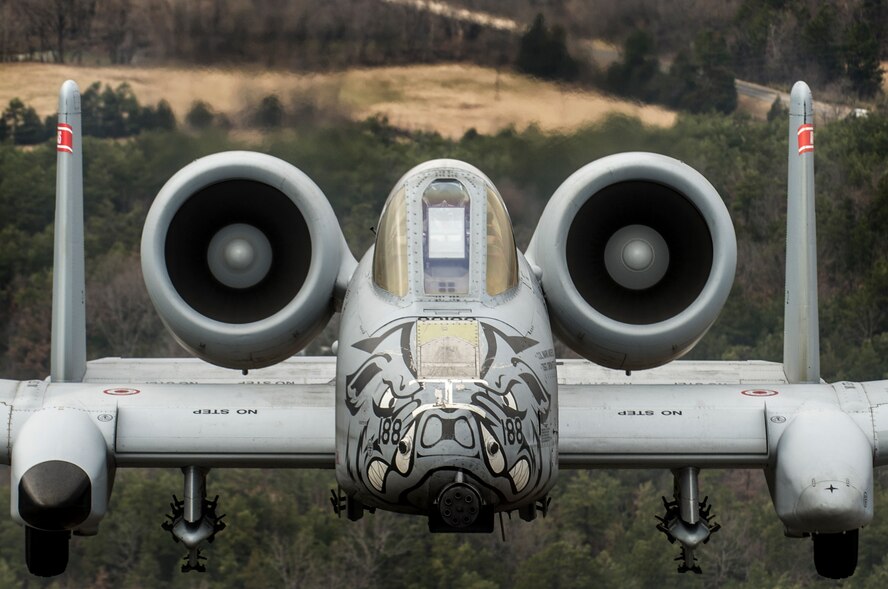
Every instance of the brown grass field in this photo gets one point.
(449, 99)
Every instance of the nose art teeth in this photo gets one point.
(376, 474)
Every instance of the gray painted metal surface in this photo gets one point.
(68, 347)
(302, 309)
(296, 370)
(600, 336)
(801, 336)
(681, 372)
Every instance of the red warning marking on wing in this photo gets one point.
(121, 391)
(759, 393)
(65, 138)
(806, 138)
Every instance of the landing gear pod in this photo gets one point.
(243, 258)
(60, 482)
(822, 485)
(637, 255)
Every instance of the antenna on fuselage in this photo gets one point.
(801, 331)
(68, 347)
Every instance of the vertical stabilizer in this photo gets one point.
(801, 336)
(68, 349)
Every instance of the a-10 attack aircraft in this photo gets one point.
(445, 399)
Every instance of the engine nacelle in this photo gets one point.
(243, 257)
(637, 254)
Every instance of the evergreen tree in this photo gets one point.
(543, 52)
(22, 124)
(821, 42)
(638, 74)
(112, 113)
(270, 113)
(159, 117)
(717, 89)
(200, 116)
(862, 59)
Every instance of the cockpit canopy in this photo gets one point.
(450, 227)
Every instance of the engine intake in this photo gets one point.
(205, 233)
(647, 286)
(637, 255)
(242, 254)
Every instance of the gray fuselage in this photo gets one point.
(433, 389)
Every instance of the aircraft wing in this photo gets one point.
(711, 414)
(175, 412)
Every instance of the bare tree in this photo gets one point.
(5, 19)
(56, 22)
(120, 312)
(293, 560)
(117, 22)
(29, 332)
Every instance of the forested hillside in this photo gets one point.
(685, 53)
(601, 528)
(830, 44)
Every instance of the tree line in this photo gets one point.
(700, 79)
(297, 35)
(110, 113)
(115, 113)
(820, 45)
(835, 44)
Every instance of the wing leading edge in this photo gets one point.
(171, 413)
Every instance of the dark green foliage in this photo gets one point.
(778, 111)
(543, 53)
(823, 43)
(753, 27)
(282, 533)
(637, 76)
(21, 125)
(704, 81)
(700, 80)
(270, 113)
(116, 113)
(160, 117)
(200, 116)
(110, 113)
(862, 59)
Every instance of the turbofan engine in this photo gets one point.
(243, 258)
(636, 254)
